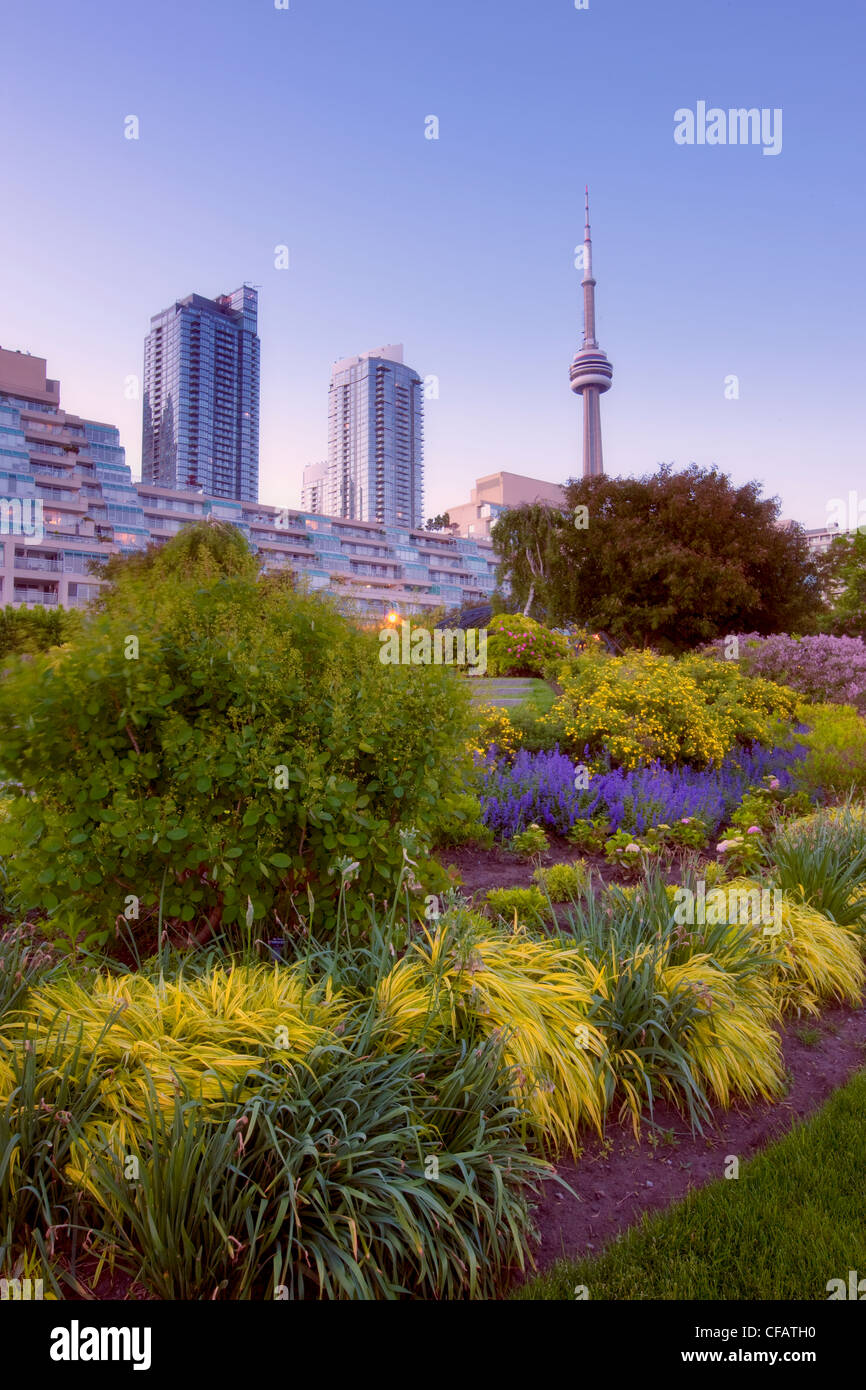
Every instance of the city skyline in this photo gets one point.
(361, 220)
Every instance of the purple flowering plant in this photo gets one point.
(822, 669)
(540, 787)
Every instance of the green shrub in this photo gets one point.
(562, 882)
(590, 835)
(630, 852)
(530, 842)
(520, 646)
(688, 833)
(29, 630)
(530, 904)
(641, 707)
(756, 808)
(493, 726)
(742, 852)
(208, 748)
(835, 762)
(465, 825)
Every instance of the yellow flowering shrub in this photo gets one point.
(642, 706)
(494, 726)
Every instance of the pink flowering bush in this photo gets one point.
(826, 670)
(518, 646)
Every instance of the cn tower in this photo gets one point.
(590, 372)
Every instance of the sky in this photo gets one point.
(305, 127)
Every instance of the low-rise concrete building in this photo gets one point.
(495, 494)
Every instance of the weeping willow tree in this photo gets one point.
(525, 538)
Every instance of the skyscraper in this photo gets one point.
(590, 371)
(376, 439)
(201, 396)
(315, 487)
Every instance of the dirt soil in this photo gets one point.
(481, 869)
(619, 1180)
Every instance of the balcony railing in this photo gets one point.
(32, 562)
(35, 598)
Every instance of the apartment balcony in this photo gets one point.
(35, 597)
(37, 563)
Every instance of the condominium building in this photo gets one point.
(66, 492)
(67, 497)
(201, 396)
(818, 538)
(315, 488)
(376, 440)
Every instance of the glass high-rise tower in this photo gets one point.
(376, 439)
(201, 396)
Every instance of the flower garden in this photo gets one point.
(316, 981)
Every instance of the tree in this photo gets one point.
(670, 560)
(204, 550)
(676, 559)
(846, 569)
(526, 538)
(440, 522)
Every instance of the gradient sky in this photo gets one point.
(305, 127)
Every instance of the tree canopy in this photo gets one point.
(669, 560)
(846, 571)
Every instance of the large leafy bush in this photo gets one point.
(211, 745)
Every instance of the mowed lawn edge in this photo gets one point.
(793, 1220)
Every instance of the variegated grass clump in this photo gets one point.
(687, 1012)
(202, 1032)
(812, 959)
(471, 978)
(233, 1131)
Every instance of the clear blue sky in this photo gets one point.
(260, 127)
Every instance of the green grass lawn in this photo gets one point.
(535, 694)
(793, 1220)
(540, 697)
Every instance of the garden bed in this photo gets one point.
(618, 1179)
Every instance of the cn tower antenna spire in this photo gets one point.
(590, 372)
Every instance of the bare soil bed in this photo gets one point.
(618, 1178)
